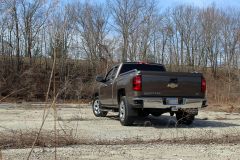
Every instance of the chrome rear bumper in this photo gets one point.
(159, 103)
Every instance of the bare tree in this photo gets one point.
(126, 15)
(12, 9)
(147, 28)
(34, 14)
(92, 26)
(211, 20)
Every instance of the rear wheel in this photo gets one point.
(96, 107)
(184, 118)
(125, 112)
(156, 112)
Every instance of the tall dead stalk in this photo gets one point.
(13, 92)
(1, 158)
(47, 109)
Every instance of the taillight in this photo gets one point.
(141, 62)
(203, 85)
(137, 83)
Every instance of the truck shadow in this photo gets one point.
(168, 121)
(164, 121)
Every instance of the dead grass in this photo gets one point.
(80, 101)
(229, 108)
(73, 118)
(24, 139)
(1, 154)
(220, 118)
(81, 83)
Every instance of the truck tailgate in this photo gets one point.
(171, 84)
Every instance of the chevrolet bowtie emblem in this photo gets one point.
(172, 85)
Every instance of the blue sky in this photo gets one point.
(200, 3)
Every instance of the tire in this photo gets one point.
(184, 118)
(125, 112)
(156, 112)
(96, 107)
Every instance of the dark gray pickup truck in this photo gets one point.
(136, 89)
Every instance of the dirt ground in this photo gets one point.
(80, 120)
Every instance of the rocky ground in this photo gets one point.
(145, 140)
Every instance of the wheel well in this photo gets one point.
(95, 95)
(121, 92)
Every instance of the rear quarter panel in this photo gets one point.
(124, 81)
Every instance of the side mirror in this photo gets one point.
(99, 79)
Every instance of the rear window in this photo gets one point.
(142, 67)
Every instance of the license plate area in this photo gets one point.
(172, 101)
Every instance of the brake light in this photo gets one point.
(137, 83)
(203, 85)
(141, 62)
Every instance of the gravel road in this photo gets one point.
(80, 119)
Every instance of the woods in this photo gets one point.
(87, 38)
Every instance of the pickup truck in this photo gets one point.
(136, 89)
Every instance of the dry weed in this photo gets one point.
(1, 155)
(24, 139)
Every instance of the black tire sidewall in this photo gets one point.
(128, 119)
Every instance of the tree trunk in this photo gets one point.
(17, 38)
